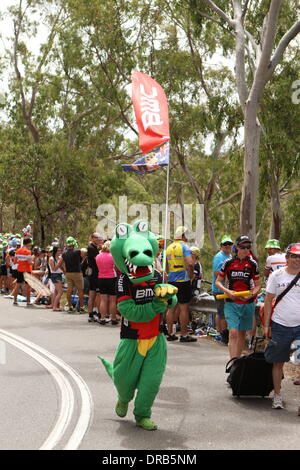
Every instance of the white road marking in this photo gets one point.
(86, 398)
(67, 395)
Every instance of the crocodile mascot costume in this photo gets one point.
(141, 355)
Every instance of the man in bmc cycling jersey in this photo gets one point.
(242, 274)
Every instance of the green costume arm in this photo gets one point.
(141, 313)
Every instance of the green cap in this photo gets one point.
(226, 239)
(71, 241)
(273, 244)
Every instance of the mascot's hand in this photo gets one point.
(166, 293)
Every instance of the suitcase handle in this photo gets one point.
(258, 339)
(227, 368)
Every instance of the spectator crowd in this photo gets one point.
(84, 280)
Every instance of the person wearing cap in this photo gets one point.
(242, 274)
(72, 268)
(180, 269)
(276, 259)
(217, 263)
(285, 325)
(23, 256)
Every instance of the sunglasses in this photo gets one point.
(227, 244)
(293, 255)
(244, 247)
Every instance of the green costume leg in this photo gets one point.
(126, 369)
(133, 371)
(151, 375)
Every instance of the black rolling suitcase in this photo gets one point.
(250, 375)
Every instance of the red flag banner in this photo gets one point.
(151, 111)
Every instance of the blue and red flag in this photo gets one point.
(158, 158)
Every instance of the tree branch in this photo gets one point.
(262, 75)
(220, 12)
(283, 44)
(229, 199)
(240, 53)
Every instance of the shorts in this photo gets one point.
(56, 278)
(107, 285)
(74, 280)
(14, 273)
(239, 316)
(3, 270)
(220, 304)
(184, 294)
(278, 349)
(93, 282)
(20, 277)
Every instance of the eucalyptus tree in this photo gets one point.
(61, 132)
(262, 32)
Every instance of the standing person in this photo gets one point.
(16, 244)
(55, 265)
(198, 271)
(72, 261)
(276, 259)
(159, 255)
(180, 269)
(3, 266)
(107, 278)
(242, 274)
(24, 259)
(218, 261)
(285, 319)
(96, 242)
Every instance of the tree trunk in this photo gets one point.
(251, 172)
(276, 221)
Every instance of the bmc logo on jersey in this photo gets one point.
(142, 293)
(240, 274)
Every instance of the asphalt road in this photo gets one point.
(55, 394)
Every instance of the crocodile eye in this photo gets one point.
(143, 226)
(121, 230)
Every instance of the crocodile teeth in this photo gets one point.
(149, 267)
(134, 269)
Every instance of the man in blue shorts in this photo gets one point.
(242, 274)
(180, 269)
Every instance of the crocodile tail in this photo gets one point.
(108, 366)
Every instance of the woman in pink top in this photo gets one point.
(107, 278)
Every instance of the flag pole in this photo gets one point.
(166, 222)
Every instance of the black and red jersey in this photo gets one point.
(141, 293)
(241, 274)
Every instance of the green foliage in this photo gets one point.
(83, 115)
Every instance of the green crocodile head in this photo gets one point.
(134, 250)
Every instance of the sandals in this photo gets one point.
(296, 381)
